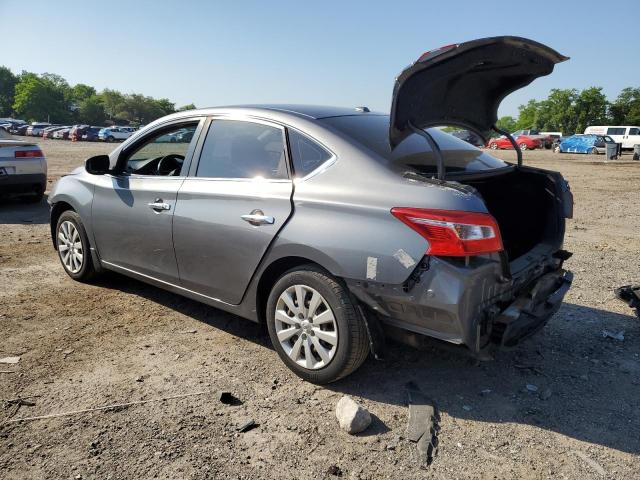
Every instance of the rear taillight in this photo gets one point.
(453, 233)
(29, 154)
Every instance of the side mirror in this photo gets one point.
(98, 165)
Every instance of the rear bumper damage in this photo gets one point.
(469, 302)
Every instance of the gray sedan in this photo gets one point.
(338, 227)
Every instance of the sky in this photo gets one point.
(344, 53)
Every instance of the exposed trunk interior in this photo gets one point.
(525, 203)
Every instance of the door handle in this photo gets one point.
(159, 205)
(257, 217)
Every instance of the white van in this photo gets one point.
(627, 136)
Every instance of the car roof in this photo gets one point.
(309, 111)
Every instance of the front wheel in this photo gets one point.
(73, 247)
(523, 146)
(315, 326)
(493, 146)
(593, 151)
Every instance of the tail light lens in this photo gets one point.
(453, 233)
(29, 153)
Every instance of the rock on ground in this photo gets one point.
(353, 418)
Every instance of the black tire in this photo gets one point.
(110, 139)
(353, 342)
(87, 270)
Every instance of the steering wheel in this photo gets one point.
(169, 165)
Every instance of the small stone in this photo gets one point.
(531, 387)
(353, 418)
(335, 471)
(467, 408)
(140, 379)
(546, 394)
(486, 391)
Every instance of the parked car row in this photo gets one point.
(88, 133)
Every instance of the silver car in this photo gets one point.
(23, 169)
(338, 227)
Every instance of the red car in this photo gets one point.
(525, 143)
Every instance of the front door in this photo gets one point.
(231, 206)
(133, 208)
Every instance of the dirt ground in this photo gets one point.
(119, 340)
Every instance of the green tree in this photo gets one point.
(558, 111)
(7, 87)
(189, 106)
(527, 115)
(590, 108)
(91, 111)
(40, 98)
(166, 105)
(625, 109)
(113, 102)
(507, 123)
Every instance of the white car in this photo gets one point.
(628, 136)
(112, 134)
(23, 169)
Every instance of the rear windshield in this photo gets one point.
(414, 154)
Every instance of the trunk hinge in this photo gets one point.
(434, 147)
(513, 142)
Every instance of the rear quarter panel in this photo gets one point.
(342, 218)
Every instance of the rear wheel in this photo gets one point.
(523, 146)
(73, 247)
(493, 146)
(110, 139)
(593, 151)
(315, 326)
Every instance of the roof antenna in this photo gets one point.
(434, 147)
(513, 142)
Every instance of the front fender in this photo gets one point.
(77, 192)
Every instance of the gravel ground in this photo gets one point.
(84, 346)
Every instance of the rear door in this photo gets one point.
(133, 208)
(231, 206)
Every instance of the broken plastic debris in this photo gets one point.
(616, 336)
(531, 387)
(248, 425)
(423, 423)
(227, 398)
(10, 360)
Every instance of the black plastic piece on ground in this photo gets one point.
(630, 294)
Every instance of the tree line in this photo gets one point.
(571, 111)
(49, 97)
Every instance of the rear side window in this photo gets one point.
(306, 154)
(238, 149)
(616, 131)
(413, 154)
(634, 131)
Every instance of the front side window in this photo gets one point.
(163, 154)
(306, 154)
(239, 149)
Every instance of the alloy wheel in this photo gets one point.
(306, 327)
(70, 247)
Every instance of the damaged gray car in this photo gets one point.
(336, 226)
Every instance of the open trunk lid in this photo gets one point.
(463, 84)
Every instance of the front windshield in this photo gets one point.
(414, 154)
